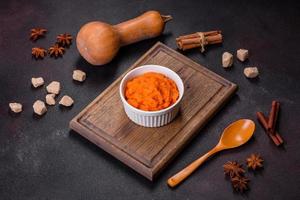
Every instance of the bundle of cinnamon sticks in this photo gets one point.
(269, 123)
(199, 39)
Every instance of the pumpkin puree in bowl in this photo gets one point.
(151, 92)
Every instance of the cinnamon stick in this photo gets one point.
(193, 35)
(274, 132)
(199, 39)
(275, 136)
(264, 124)
(273, 115)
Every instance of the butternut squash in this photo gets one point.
(99, 42)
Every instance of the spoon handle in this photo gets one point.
(188, 170)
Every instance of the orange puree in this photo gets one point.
(151, 91)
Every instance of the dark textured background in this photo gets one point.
(40, 158)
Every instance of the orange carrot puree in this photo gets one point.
(151, 92)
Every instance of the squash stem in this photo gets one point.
(166, 18)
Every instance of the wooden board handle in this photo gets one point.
(187, 171)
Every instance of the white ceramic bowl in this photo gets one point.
(152, 118)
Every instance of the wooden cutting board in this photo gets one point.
(149, 150)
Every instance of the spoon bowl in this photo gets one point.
(235, 135)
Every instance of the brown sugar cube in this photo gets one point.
(251, 72)
(242, 54)
(50, 99)
(227, 59)
(39, 107)
(15, 107)
(79, 75)
(53, 87)
(37, 82)
(66, 101)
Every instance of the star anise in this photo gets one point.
(233, 169)
(254, 161)
(64, 40)
(240, 183)
(56, 50)
(38, 52)
(36, 33)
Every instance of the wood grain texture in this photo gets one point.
(149, 150)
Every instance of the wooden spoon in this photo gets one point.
(235, 135)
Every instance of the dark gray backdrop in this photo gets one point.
(40, 158)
